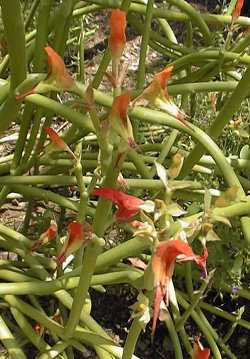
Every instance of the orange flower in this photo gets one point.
(117, 38)
(78, 234)
(156, 93)
(128, 206)
(46, 236)
(58, 74)
(119, 118)
(58, 141)
(163, 263)
(58, 78)
(237, 9)
(200, 352)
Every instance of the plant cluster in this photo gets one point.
(184, 210)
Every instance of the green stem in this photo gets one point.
(201, 325)
(132, 338)
(14, 30)
(29, 332)
(10, 342)
(31, 13)
(88, 267)
(144, 45)
(225, 115)
(174, 337)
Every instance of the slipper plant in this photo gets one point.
(140, 149)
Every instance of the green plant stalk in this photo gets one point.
(223, 314)
(195, 301)
(10, 342)
(66, 299)
(231, 7)
(29, 332)
(194, 16)
(174, 337)
(81, 48)
(85, 336)
(213, 332)
(132, 338)
(14, 30)
(91, 253)
(62, 20)
(37, 193)
(201, 325)
(53, 352)
(155, 36)
(166, 148)
(139, 164)
(230, 107)
(144, 45)
(38, 62)
(31, 13)
(164, 13)
(55, 107)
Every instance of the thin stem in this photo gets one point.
(132, 338)
(88, 267)
(14, 30)
(144, 45)
(10, 342)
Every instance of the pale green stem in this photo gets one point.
(10, 342)
(132, 338)
(88, 267)
(144, 45)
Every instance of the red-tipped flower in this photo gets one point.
(128, 206)
(237, 10)
(46, 236)
(117, 38)
(58, 71)
(58, 141)
(156, 93)
(163, 263)
(58, 78)
(200, 352)
(78, 234)
(119, 118)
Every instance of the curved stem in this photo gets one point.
(132, 338)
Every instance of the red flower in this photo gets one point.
(163, 263)
(78, 234)
(200, 352)
(237, 9)
(128, 206)
(58, 141)
(119, 118)
(46, 236)
(117, 38)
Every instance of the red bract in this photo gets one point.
(119, 118)
(237, 9)
(58, 71)
(163, 263)
(159, 84)
(58, 141)
(58, 78)
(45, 237)
(199, 352)
(156, 93)
(117, 38)
(78, 234)
(128, 206)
